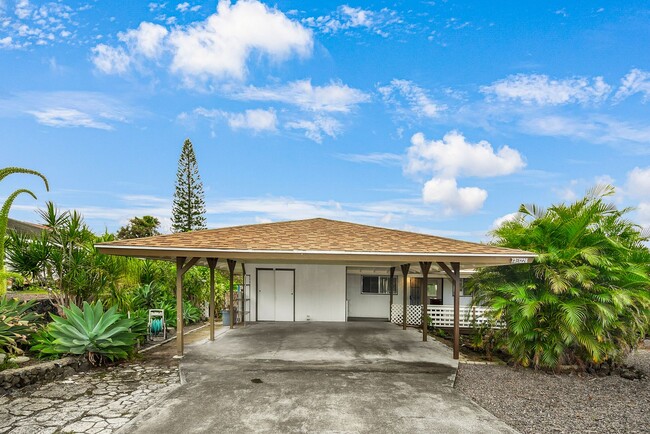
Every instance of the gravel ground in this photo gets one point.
(538, 402)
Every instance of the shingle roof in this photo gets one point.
(314, 235)
(25, 227)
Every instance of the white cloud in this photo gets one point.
(316, 128)
(638, 183)
(110, 60)
(635, 81)
(542, 90)
(418, 101)
(357, 17)
(45, 23)
(637, 186)
(454, 156)
(568, 193)
(595, 129)
(256, 120)
(62, 117)
(7, 42)
(146, 40)
(347, 18)
(272, 208)
(220, 46)
(505, 218)
(465, 200)
(183, 7)
(217, 48)
(23, 9)
(383, 159)
(68, 109)
(643, 214)
(334, 97)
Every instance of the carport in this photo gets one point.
(321, 248)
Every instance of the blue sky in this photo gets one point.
(434, 116)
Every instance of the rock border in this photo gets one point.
(16, 378)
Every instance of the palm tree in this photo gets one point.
(4, 217)
(585, 300)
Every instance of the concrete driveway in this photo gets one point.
(317, 377)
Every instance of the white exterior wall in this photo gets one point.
(324, 292)
(376, 305)
(369, 305)
(319, 290)
(448, 298)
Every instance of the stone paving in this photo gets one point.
(94, 402)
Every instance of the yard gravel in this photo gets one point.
(538, 402)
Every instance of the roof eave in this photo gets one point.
(505, 258)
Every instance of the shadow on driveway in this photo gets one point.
(317, 377)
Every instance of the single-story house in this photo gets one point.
(327, 270)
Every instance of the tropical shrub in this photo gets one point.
(585, 299)
(64, 258)
(97, 334)
(17, 324)
(28, 255)
(146, 296)
(191, 313)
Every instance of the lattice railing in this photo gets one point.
(413, 314)
(441, 316)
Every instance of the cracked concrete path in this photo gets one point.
(318, 377)
(93, 402)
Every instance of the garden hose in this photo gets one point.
(156, 326)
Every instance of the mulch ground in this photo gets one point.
(539, 402)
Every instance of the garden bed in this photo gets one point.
(539, 402)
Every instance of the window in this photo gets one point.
(434, 290)
(466, 292)
(377, 285)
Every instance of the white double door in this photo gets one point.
(275, 294)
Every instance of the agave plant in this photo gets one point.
(17, 324)
(146, 296)
(93, 332)
(191, 313)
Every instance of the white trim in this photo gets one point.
(318, 252)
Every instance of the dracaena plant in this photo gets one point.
(97, 334)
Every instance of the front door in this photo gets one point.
(284, 295)
(275, 294)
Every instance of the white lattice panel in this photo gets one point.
(441, 316)
(413, 314)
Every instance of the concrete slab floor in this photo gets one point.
(318, 377)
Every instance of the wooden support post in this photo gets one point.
(405, 273)
(212, 263)
(424, 267)
(457, 285)
(179, 306)
(391, 288)
(181, 269)
(231, 267)
(243, 294)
